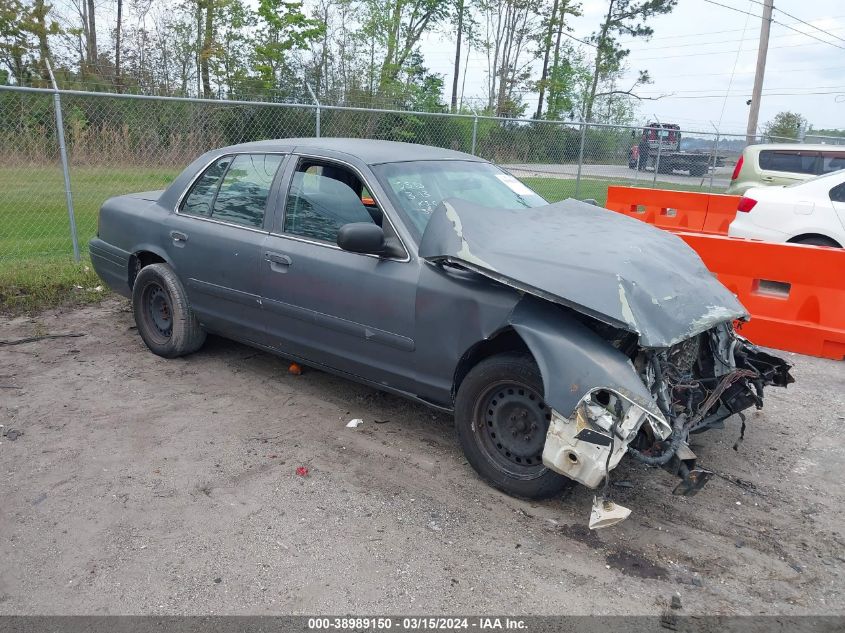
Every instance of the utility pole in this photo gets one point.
(762, 51)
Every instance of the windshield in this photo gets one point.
(416, 188)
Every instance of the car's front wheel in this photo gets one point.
(163, 315)
(502, 423)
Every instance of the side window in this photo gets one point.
(201, 197)
(793, 161)
(837, 194)
(242, 197)
(322, 198)
(833, 161)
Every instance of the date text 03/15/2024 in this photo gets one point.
(416, 623)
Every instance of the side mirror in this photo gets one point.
(361, 237)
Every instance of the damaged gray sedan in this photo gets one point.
(563, 336)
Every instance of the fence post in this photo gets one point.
(474, 133)
(317, 103)
(60, 132)
(715, 160)
(580, 159)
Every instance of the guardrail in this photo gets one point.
(794, 293)
(709, 213)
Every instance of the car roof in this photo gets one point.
(813, 147)
(370, 151)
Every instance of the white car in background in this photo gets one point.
(810, 212)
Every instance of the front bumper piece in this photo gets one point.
(590, 443)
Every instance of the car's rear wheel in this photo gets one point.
(163, 315)
(817, 240)
(502, 423)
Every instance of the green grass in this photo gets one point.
(37, 270)
(36, 264)
(554, 189)
(30, 285)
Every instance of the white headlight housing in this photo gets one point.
(590, 443)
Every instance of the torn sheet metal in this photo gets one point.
(616, 269)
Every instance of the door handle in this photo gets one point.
(178, 236)
(277, 258)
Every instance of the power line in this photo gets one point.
(708, 43)
(791, 28)
(751, 72)
(812, 26)
(702, 34)
(710, 53)
(740, 91)
(733, 41)
(765, 94)
(733, 73)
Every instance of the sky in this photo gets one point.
(701, 52)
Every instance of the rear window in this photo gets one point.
(833, 161)
(234, 189)
(792, 161)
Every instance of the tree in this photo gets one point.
(398, 26)
(283, 27)
(554, 27)
(510, 26)
(91, 33)
(785, 125)
(117, 33)
(205, 10)
(623, 17)
(233, 45)
(567, 82)
(24, 46)
(458, 35)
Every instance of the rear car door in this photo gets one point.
(349, 311)
(215, 237)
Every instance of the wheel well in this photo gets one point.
(505, 340)
(140, 259)
(805, 236)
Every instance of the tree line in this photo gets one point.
(346, 52)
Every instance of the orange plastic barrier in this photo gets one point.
(794, 293)
(675, 210)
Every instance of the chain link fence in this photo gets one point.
(119, 143)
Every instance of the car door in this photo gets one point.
(215, 238)
(348, 311)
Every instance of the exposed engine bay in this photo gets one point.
(696, 385)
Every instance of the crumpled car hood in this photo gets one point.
(616, 269)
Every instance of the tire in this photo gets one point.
(697, 170)
(502, 395)
(163, 315)
(817, 240)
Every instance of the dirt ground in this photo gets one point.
(148, 486)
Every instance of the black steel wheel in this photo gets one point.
(157, 312)
(512, 424)
(163, 315)
(502, 423)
